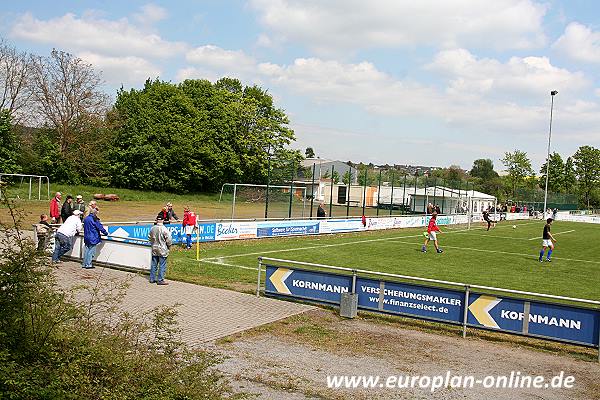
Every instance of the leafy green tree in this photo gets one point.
(309, 152)
(587, 169)
(195, 136)
(336, 176)
(518, 167)
(569, 177)
(484, 169)
(556, 174)
(9, 145)
(348, 177)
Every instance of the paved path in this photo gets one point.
(205, 313)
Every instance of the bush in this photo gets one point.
(74, 344)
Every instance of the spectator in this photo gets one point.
(437, 209)
(321, 211)
(55, 208)
(92, 228)
(67, 208)
(79, 205)
(91, 205)
(163, 214)
(63, 240)
(554, 212)
(188, 225)
(170, 214)
(42, 230)
(161, 241)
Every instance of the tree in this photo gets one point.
(309, 152)
(14, 75)
(347, 177)
(195, 136)
(518, 167)
(556, 175)
(9, 148)
(67, 95)
(587, 170)
(484, 169)
(569, 177)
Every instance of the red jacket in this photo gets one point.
(432, 226)
(189, 218)
(54, 208)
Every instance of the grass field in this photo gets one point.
(503, 257)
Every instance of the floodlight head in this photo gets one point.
(554, 92)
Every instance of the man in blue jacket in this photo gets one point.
(92, 228)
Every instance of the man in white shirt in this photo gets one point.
(65, 234)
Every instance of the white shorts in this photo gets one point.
(547, 243)
(432, 236)
(189, 229)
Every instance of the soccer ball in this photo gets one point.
(514, 227)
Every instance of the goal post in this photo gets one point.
(248, 201)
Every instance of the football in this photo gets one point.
(514, 227)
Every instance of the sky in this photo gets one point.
(425, 82)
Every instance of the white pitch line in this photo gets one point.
(557, 233)
(219, 260)
(509, 253)
(493, 236)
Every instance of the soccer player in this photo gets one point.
(432, 228)
(547, 241)
(486, 218)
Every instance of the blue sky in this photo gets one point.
(385, 81)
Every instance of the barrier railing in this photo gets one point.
(545, 316)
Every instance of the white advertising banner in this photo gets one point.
(235, 230)
(341, 225)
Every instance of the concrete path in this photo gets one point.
(205, 313)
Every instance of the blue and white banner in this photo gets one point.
(286, 228)
(318, 286)
(554, 321)
(129, 233)
(533, 318)
(414, 300)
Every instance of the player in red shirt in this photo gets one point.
(432, 228)
(189, 224)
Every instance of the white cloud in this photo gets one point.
(353, 24)
(218, 58)
(482, 95)
(101, 36)
(126, 71)
(150, 13)
(518, 77)
(579, 43)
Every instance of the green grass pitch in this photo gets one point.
(504, 257)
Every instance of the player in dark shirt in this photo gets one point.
(486, 218)
(547, 241)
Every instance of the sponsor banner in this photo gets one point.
(319, 286)
(235, 230)
(562, 322)
(341, 225)
(544, 319)
(286, 228)
(380, 223)
(407, 222)
(415, 300)
(515, 216)
(129, 233)
(590, 219)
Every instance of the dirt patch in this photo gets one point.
(297, 354)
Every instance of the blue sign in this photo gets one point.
(319, 286)
(287, 228)
(554, 321)
(533, 318)
(415, 300)
(129, 233)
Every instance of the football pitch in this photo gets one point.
(504, 257)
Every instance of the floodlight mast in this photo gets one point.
(552, 94)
